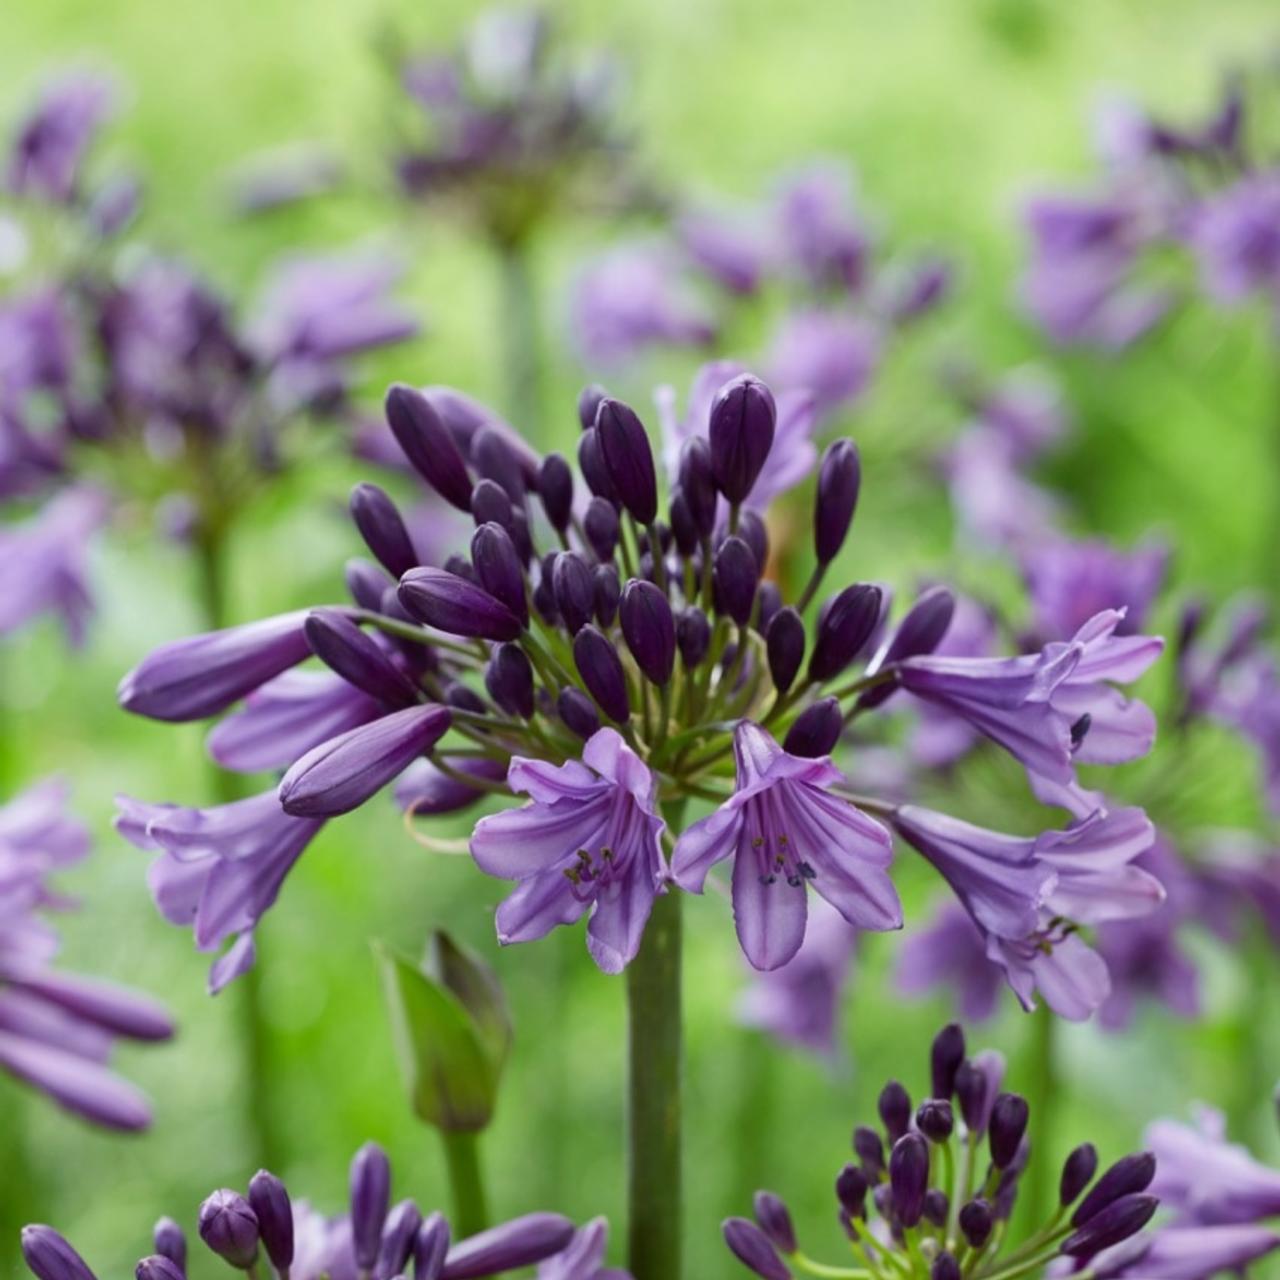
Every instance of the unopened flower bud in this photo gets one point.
(784, 642)
(1077, 1173)
(271, 1206)
(734, 577)
(816, 730)
(357, 658)
(230, 1228)
(846, 626)
(909, 1178)
(601, 527)
(589, 399)
(602, 672)
(455, 606)
(370, 1185)
(494, 459)
(382, 529)
(775, 1221)
(628, 457)
(575, 590)
(461, 567)
(977, 1083)
(489, 503)
(431, 1248)
(428, 444)
(1008, 1124)
(936, 1205)
(921, 631)
(578, 712)
(894, 1106)
(171, 1242)
(869, 1149)
(934, 1119)
(1128, 1175)
(649, 630)
(740, 433)
(50, 1257)
(608, 593)
(751, 529)
(158, 1267)
(945, 1267)
(697, 484)
(366, 584)
(497, 565)
(683, 529)
(851, 1190)
(768, 604)
(751, 1247)
(839, 479)
(1118, 1221)
(594, 470)
(693, 635)
(555, 488)
(509, 679)
(977, 1221)
(945, 1056)
(398, 1239)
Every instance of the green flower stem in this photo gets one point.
(811, 588)
(810, 1267)
(654, 1194)
(1038, 1192)
(466, 1183)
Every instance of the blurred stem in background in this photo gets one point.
(754, 1130)
(466, 1185)
(655, 1200)
(258, 1060)
(1041, 1076)
(520, 330)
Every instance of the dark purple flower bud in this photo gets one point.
(752, 531)
(356, 657)
(945, 1266)
(230, 1228)
(366, 584)
(649, 630)
(1007, 1126)
(158, 1267)
(775, 1221)
(398, 1239)
(589, 399)
(768, 603)
(920, 631)
(555, 488)
(751, 1247)
(431, 1248)
(697, 484)
(977, 1221)
(934, 1119)
(608, 591)
(683, 529)
(489, 503)
(578, 712)
(1128, 1175)
(271, 1206)
(1118, 1221)
(894, 1106)
(601, 671)
(494, 459)
(509, 680)
(851, 1190)
(869, 1149)
(455, 606)
(936, 1205)
(419, 658)
(428, 444)
(784, 641)
(882, 1198)
(575, 590)
(592, 465)
(370, 1184)
(1077, 1173)
(461, 567)
(50, 1257)
(740, 433)
(497, 565)
(457, 694)
(909, 1177)
(383, 530)
(693, 635)
(977, 1081)
(734, 577)
(427, 790)
(171, 1242)
(945, 1056)
(816, 730)
(518, 1243)
(844, 628)
(624, 445)
(342, 773)
(601, 527)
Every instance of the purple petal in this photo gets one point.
(770, 917)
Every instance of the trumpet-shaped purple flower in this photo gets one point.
(831, 354)
(1207, 1180)
(1186, 1253)
(219, 869)
(588, 842)
(822, 237)
(1235, 235)
(583, 1259)
(994, 501)
(785, 832)
(48, 152)
(951, 951)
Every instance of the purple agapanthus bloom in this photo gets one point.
(584, 1258)
(1235, 235)
(57, 1030)
(822, 237)
(1237, 875)
(219, 869)
(786, 833)
(799, 1004)
(1185, 1253)
(1025, 408)
(951, 952)
(588, 842)
(994, 501)
(1207, 1180)
(832, 354)
(44, 563)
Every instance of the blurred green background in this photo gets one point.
(949, 112)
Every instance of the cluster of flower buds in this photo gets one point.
(266, 1233)
(932, 1191)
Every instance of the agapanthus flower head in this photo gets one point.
(948, 1185)
(57, 1030)
(267, 1233)
(649, 663)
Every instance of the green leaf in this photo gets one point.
(447, 1062)
(475, 985)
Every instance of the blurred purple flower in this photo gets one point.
(951, 952)
(822, 238)
(731, 250)
(47, 153)
(1026, 409)
(993, 500)
(1185, 1253)
(1235, 235)
(831, 354)
(584, 1257)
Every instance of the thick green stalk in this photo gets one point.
(257, 1063)
(1042, 1090)
(521, 342)
(466, 1185)
(654, 1195)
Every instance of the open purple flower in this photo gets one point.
(1186, 1253)
(219, 869)
(951, 951)
(785, 832)
(832, 354)
(588, 842)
